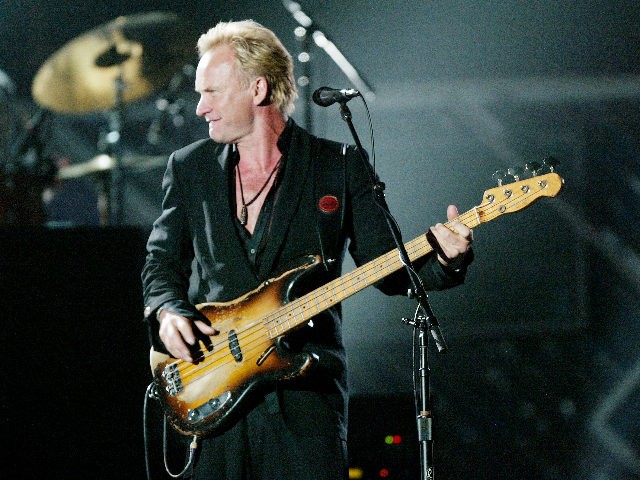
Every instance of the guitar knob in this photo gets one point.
(515, 172)
(551, 162)
(498, 176)
(534, 168)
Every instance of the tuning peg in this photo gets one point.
(498, 176)
(533, 167)
(551, 162)
(515, 172)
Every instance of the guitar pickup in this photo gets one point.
(234, 346)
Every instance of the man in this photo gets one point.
(238, 208)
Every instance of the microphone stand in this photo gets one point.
(423, 322)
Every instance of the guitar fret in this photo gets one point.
(316, 306)
(273, 331)
(298, 316)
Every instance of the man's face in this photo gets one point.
(226, 101)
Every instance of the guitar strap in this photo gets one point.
(330, 186)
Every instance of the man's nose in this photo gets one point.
(201, 108)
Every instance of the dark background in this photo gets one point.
(542, 380)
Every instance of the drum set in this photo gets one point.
(109, 71)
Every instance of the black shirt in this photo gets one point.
(253, 243)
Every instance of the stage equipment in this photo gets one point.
(24, 170)
(498, 201)
(104, 163)
(143, 52)
(326, 96)
(309, 30)
(107, 68)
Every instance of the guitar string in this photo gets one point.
(223, 342)
(277, 315)
(287, 312)
(311, 301)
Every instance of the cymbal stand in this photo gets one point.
(113, 179)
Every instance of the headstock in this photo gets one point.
(511, 197)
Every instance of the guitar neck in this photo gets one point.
(304, 308)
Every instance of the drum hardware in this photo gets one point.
(105, 70)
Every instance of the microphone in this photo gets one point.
(325, 96)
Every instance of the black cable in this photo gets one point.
(145, 435)
(193, 446)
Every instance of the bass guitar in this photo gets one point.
(247, 354)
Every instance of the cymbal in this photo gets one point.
(104, 162)
(119, 62)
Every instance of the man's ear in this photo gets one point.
(260, 91)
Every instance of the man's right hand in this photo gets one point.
(179, 335)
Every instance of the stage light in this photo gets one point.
(393, 439)
(355, 473)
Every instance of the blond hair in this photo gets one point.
(259, 53)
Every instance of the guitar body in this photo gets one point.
(244, 358)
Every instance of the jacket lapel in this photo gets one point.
(219, 212)
(288, 201)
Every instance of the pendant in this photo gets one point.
(243, 215)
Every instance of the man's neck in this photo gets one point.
(261, 148)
